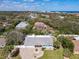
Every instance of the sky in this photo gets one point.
(39, 5)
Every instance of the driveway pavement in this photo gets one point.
(30, 53)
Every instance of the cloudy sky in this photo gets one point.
(39, 5)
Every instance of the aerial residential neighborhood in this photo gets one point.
(43, 37)
(39, 29)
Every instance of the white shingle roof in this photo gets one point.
(33, 40)
(22, 25)
(76, 37)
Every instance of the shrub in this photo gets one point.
(14, 38)
(66, 43)
(8, 49)
(15, 52)
(67, 53)
(57, 44)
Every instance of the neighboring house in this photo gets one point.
(45, 41)
(33, 15)
(6, 24)
(75, 40)
(40, 26)
(76, 48)
(22, 25)
(62, 17)
(2, 42)
(76, 44)
(45, 15)
(76, 37)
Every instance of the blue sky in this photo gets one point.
(39, 5)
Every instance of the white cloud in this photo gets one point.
(46, 0)
(17, 6)
(29, 0)
(35, 0)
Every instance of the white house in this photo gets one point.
(62, 17)
(33, 16)
(76, 37)
(33, 44)
(45, 41)
(22, 25)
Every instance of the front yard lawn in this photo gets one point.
(74, 57)
(53, 54)
(2, 55)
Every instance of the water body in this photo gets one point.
(38, 11)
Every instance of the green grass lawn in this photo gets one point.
(53, 54)
(2, 54)
(74, 57)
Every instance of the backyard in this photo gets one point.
(53, 54)
(74, 57)
(56, 54)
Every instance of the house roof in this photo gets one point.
(40, 24)
(61, 17)
(76, 37)
(32, 40)
(22, 25)
(2, 41)
(33, 15)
